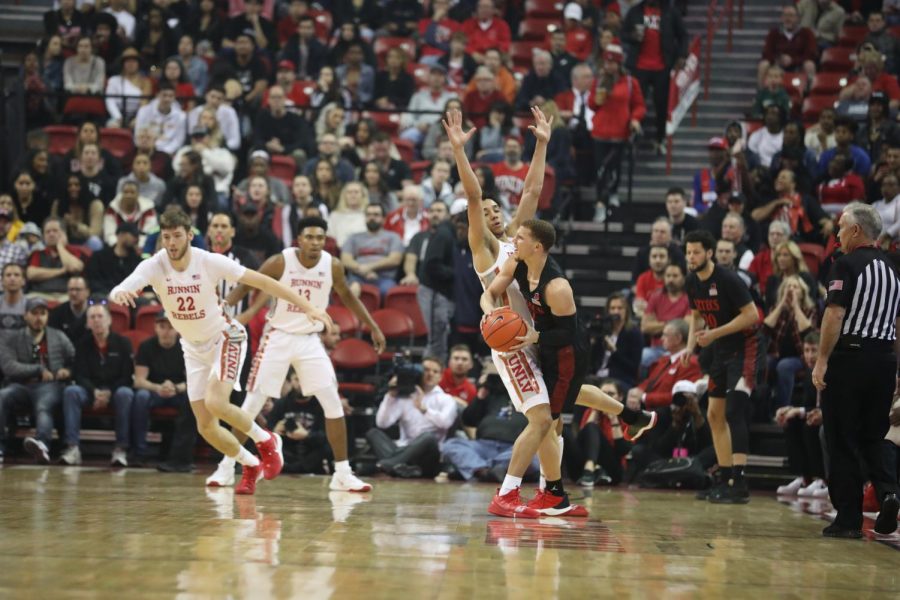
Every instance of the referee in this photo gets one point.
(856, 373)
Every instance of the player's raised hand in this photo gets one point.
(453, 125)
(378, 341)
(125, 298)
(542, 125)
(323, 317)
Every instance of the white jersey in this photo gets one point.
(314, 284)
(513, 296)
(190, 297)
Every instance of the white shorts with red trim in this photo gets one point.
(220, 358)
(278, 351)
(522, 376)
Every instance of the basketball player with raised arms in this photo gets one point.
(186, 281)
(561, 342)
(520, 371)
(291, 338)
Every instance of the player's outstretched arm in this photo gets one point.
(478, 230)
(129, 290)
(279, 290)
(273, 267)
(339, 282)
(534, 180)
(490, 299)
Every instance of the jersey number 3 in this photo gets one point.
(185, 304)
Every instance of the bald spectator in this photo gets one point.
(656, 390)
(409, 218)
(477, 103)
(541, 84)
(791, 46)
(486, 30)
(506, 82)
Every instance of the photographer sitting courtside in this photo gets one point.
(424, 412)
(299, 420)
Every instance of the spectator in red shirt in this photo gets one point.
(651, 279)
(656, 390)
(485, 30)
(790, 46)
(409, 218)
(665, 304)
(842, 185)
(296, 93)
(509, 175)
(872, 67)
(455, 379)
(435, 32)
(579, 41)
(618, 106)
(477, 103)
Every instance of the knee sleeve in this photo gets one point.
(253, 403)
(736, 404)
(330, 402)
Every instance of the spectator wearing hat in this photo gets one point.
(126, 91)
(49, 269)
(70, 317)
(486, 30)
(12, 302)
(296, 93)
(226, 116)
(791, 46)
(11, 252)
(104, 372)
(426, 105)
(280, 132)
(879, 130)
(36, 360)
(541, 83)
(241, 63)
(767, 140)
(129, 207)
(658, 44)
(618, 105)
(108, 267)
(251, 22)
(579, 41)
(509, 174)
(304, 50)
(164, 117)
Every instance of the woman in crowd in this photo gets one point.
(173, 72)
(377, 188)
(488, 140)
(789, 261)
(52, 62)
(82, 214)
(127, 91)
(153, 38)
(89, 133)
(46, 179)
(197, 206)
(616, 346)
(84, 73)
(349, 216)
(394, 86)
(286, 216)
(31, 205)
(789, 320)
(437, 185)
(331, 120)
(355, 147)
(326, 187)
(436, 133)
(328, 90)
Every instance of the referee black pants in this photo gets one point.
(855, 407)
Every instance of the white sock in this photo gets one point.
(542, 482)
(253, 403)
(227, 461)
(509, 484)
(561, 445)
(342, 467)
(245, 457)
(258, 434)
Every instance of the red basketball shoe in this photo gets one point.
(247, 485)
(556, 506)
(271, 460)
(510, 505)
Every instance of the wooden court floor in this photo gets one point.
(96, 533)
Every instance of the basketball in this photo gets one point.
(502, 327)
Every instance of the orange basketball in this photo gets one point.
(501, 328)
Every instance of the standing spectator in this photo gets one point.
(129, 207)
(682, 222)
(373, 256)
(160, 381)
(12, 302)
(409, 218)
(824, 17)
(767, 140)
(618, 105)
(35, 361)
(579, 41)
(455, 380)
(280, 132)
(149, 185)
(787, 324)
(84, 73)
(486, 30)
(426, 105)
(70, 317)
(103, 377)
(790, 46)
(49, 269)
(164, 117)
(659, 45)
(575, 110)
(820, 137)
(664, 305)
(195, 68)
(425, 415)
(111, 265)
(226, 116)
(98, 184)
(68, 23)
(509, 174)
(541, 83)
(306, 52)
(435, 292)
(616, 352)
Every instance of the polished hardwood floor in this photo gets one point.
(95, 533)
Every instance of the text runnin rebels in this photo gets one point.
(173, 290)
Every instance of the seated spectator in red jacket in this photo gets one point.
(651, 280)
(842, 185)
(665, 305)
(790, 46)
(486, 30)
(656, 390)
(762, 264)
(455, 380)
(478, 102)
(409, 218)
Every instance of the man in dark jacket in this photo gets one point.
(542, 83)
(498, 424)
(658, 43)
(70, 316)
(435, 293)
(35, 360)
(280, 132)
(108, 267)
(104, 371)
(305, 51)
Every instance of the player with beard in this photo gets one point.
(721, 301)
(186, 281)
(292, 339)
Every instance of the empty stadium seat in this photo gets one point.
(403, 298)
(537, 29)
(121, 317)
(813, 105)
(344, 318)
(827, 84)
(521, 52)
(62, 138)
(145, 318)
(837, 59)
(284, 168)
(119, 141)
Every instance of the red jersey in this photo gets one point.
(650, 57)
(510, 182)
(497, 35)
(464, 391)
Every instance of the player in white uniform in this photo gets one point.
(186, 280)
(292, 339)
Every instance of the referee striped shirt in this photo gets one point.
(865, 284)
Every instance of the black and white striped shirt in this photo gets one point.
(865, 284)
(244, 257)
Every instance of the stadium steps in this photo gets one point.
(21, 26)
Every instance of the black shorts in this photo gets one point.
(564, 371)
(727, 368)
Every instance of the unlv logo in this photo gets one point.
(231, 361)
(521, 373)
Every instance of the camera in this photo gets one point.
(408, 374)
(603, 325)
